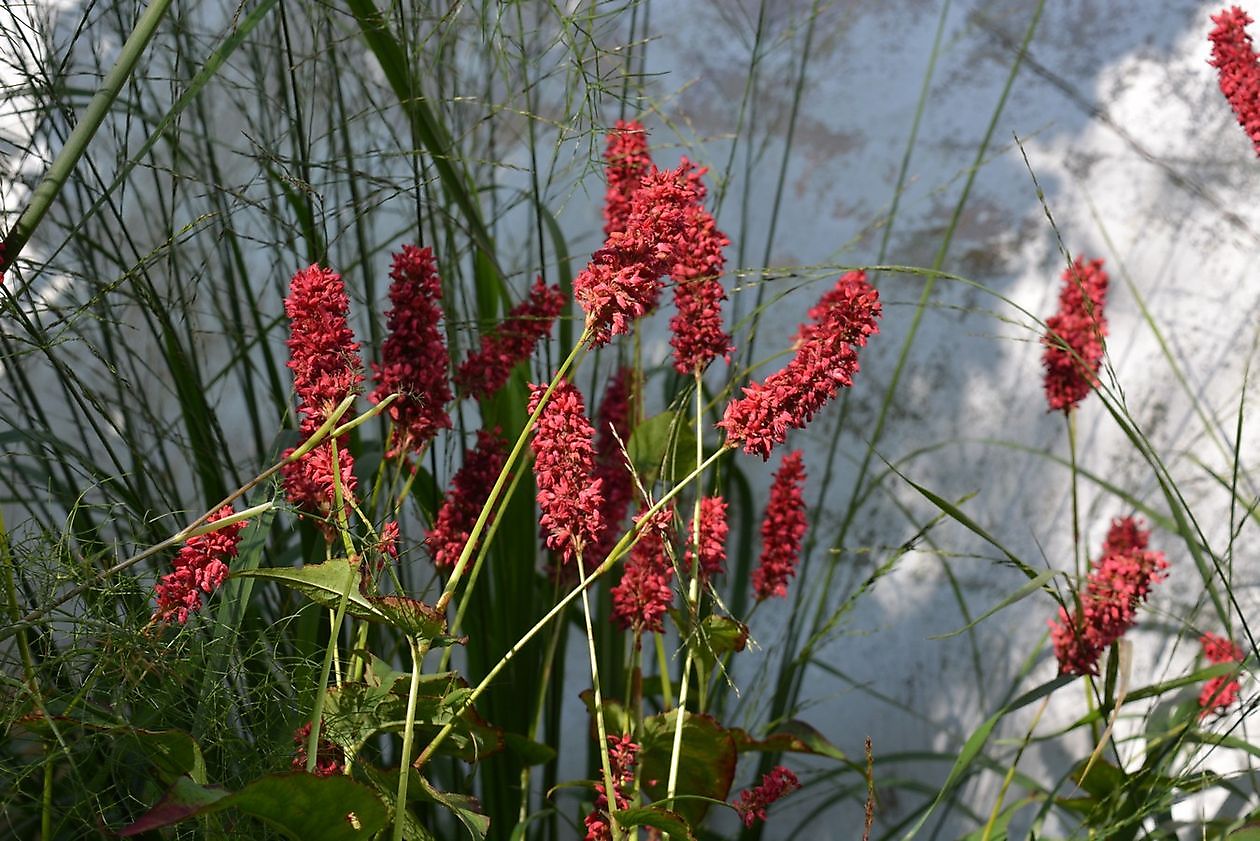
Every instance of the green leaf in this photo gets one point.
(527, 750)
(302, 806)
(465, 807)
(670, 823)
(662, 447)
(324, 584)
(706, 766)
(719, 636)
(1028, 589)
(792, 737)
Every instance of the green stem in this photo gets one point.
(693, 606)
(85, 129)
(449, 591)
(334, 634)
(613, 556)
(610, 792)
(409, 732)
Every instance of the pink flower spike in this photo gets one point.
(617, 485)
(569, 496)
(826, 361)
(622, 758)
(782, 530)
(623, 280)
(713, 531)
(1238, 66)
(643, 596)
(776, 785)
(627, 162)
(199, 567)
(1223, 691)
(329, 760)
(470, 488)
(414, 361)
(698, 333)
(510, 343)
(1119, 582)
(1074, 336)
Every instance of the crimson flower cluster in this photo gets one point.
(627, 161)
(622, 757)
(623, 280)
(782, 529)
(776, 785)
(470, 488)
(1221, 692)
(1238, 66)
(610, 463)
(414, 362)
(199, 567)
(330, 759)
(486, 371)
(698, 333)
(643, 596)
(569, 496)
(326, 368)
(1074, 336)
(1119, 581)
(713, 530)
(826, 360)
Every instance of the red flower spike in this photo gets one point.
(325, 361)
(622, 281)
(776, 785)
(627, 162)
(1221, 692)
(199, 567)
(622, 758)
(1074, 336)
(1119, 581)
(569, 496)
(826, 361)
(1238, 66)
(643, 596)
(414, 362)
(698, 333)
(713, 531)
(470, 488)
(782, 530)
(510, 343)
(329, 760)
(610, 463)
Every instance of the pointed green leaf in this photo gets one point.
(670, 823)
(1028, 589)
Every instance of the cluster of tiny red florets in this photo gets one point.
(470, 488)
(616, 483)
(199, 567)
(1238, 65)
(713, 529)
(510, 343)
(643, 596)
(414, 362)
(623, 280)
(324, 358)
(627, 162)
(1074, 336)
(776, 785)
(569, 496)
(622, 757)
(698, 333)
(330, 759)
(782, 529)
(826, 360)
(1119, 581)
(1221, 692)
